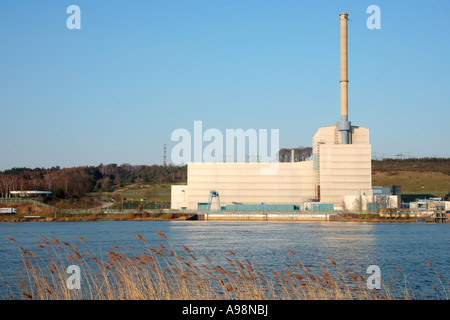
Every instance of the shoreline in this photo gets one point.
(94, 217)
(193, 217)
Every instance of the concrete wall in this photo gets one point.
(359, 135)
(290, 183)
(344, 170)
(269, 217)
(325, 135)
(356, 202)
(330, 135)
(179, 196)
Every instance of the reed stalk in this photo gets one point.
(161, 273)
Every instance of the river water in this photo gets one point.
(354, 246)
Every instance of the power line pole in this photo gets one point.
(165, 155)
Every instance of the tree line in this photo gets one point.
(78, 181)
(300, 154)
(426, 164)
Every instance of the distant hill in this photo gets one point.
(419, 177)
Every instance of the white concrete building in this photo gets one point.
(292, 183)
(333, 172)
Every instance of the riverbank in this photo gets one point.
(170, 216)
(310, 216)
(95, 217)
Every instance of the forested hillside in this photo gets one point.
(77, 181)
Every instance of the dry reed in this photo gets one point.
(164, 274)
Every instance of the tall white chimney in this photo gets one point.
(344, 126)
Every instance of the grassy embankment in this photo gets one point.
(157, 197)
(135, 192)
(418, 178)
(31, 212)
(80, 217)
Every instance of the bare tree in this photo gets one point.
(300, 154)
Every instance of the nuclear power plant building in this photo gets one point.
(338, 172)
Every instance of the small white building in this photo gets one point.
(429, 204)
(32, 193)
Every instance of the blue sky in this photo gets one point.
(115, 90)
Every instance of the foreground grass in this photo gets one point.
(160, 272)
